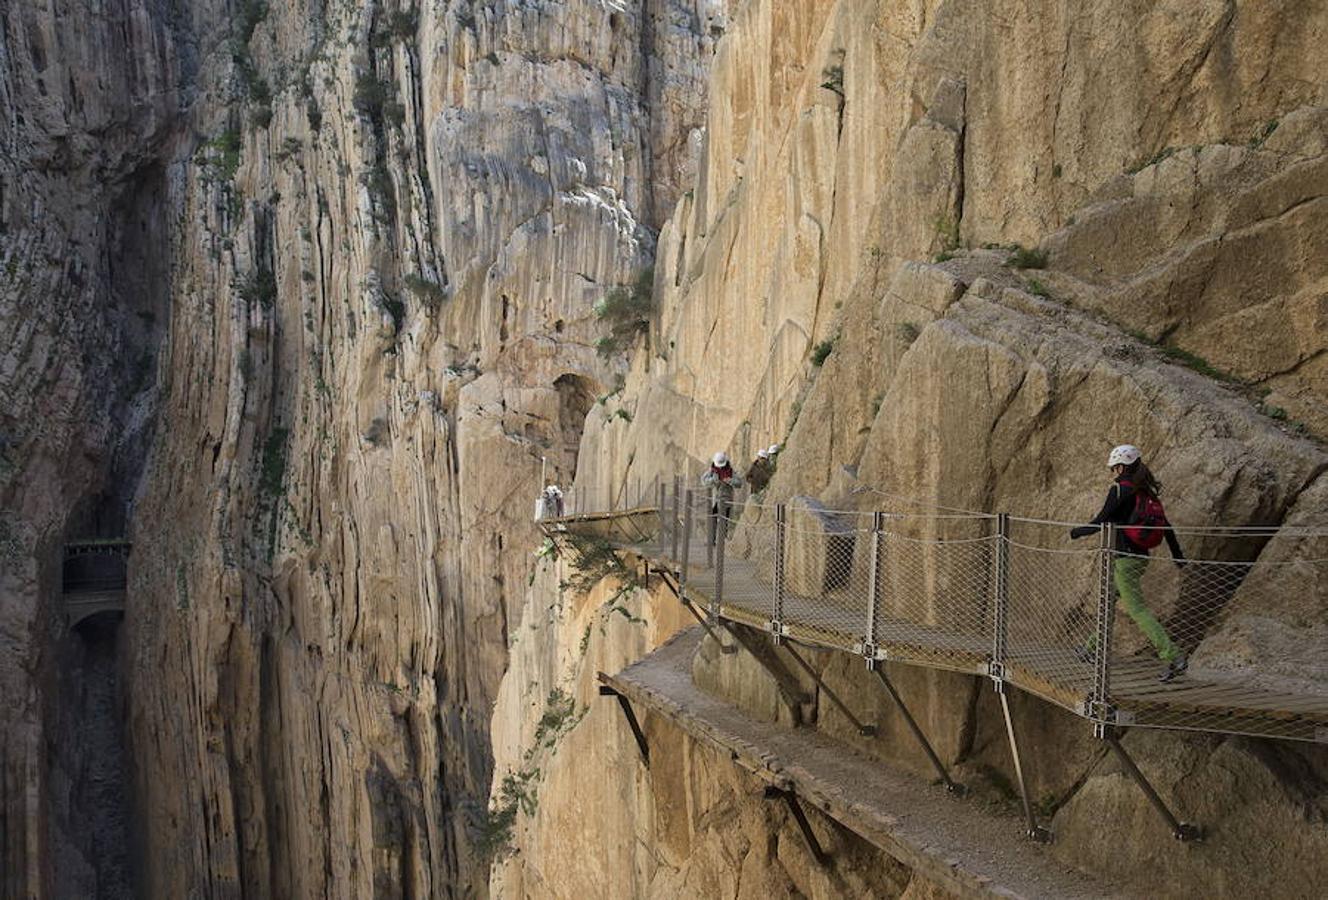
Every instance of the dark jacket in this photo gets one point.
(758, 476)
(1119, 510)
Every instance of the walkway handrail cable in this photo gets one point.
(975, 594)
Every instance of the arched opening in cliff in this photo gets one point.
(576, 396)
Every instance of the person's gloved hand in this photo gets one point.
(1180, 563)
(1082, 531)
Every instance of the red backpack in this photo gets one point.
(1147, 521)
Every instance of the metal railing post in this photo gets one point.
(1099, 710)
(712, 524)
(781, 536)
(677, 511)
(1001, 599)
(690, 503)
(871, 638)
(661, 504)
(719, 578)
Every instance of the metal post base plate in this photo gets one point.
(1187, 832)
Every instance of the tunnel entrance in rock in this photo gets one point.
(576, 396)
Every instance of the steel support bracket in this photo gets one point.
(630, 714)
(871, 655)
(808, 835)
(951, 785)
(865, 729)
(1181, 831)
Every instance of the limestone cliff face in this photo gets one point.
(311, 284)
(859, 157)
(92, 113)
(345, 257)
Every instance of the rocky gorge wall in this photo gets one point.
(869, 169)
(307, 290)
(352, 291)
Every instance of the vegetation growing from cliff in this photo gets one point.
(821, 352)
(1025, 258)
(517, 793)
(260, 287)
(834, 79)
(626, 311)
(220, 157)
(256, 89)
(273, 473)
(595, 560)
(428, 292)
(947, 229)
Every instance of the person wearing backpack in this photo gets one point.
(1132, 504)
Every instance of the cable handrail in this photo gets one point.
(1091, 629)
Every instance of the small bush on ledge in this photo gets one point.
(430, 293)
(626, 310)
(821, 352)
(1024, 258)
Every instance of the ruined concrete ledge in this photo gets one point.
(958, 844)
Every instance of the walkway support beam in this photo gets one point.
(696, 614)
(950, 785)
(1181, 831)
(808, 835)
(785, 681)
(1034, 830)
(632, 722)
(862, 728)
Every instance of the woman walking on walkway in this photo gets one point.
(1133, 505)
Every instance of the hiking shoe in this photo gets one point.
(1175, 668)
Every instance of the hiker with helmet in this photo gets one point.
(723, 481)
(759, 472)
(1132, 504)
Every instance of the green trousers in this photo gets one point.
(1126, 572)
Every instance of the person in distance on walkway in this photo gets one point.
(758, 474)
(723, 480)
(1132, 504)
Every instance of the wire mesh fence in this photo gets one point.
(1121, 638)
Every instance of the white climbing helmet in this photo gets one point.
(772, 449)
(553, 491)
(1124, 455)
(721, 459)
(762, 454)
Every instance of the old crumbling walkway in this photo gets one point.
(966, 849)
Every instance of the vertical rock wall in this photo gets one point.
(91, 121)
(869, 169)
(353, 249)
